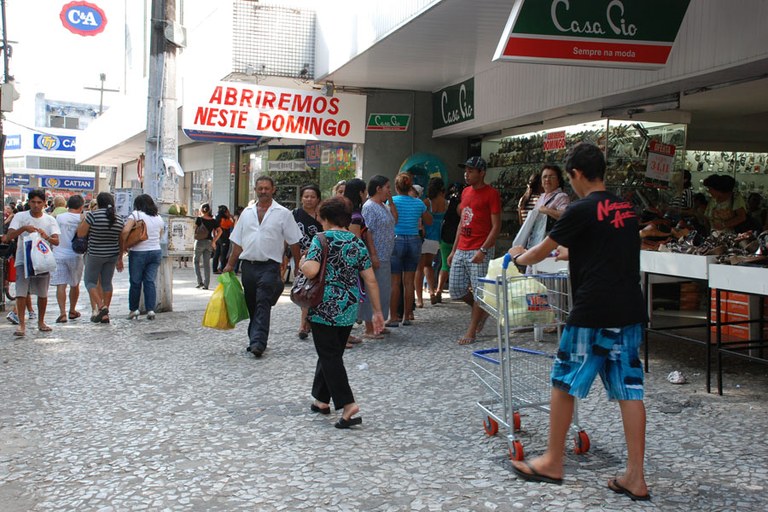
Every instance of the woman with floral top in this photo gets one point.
(332, 319)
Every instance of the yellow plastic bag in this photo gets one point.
(216, 316)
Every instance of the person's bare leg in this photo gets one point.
(550, 463)
(430, 273)
(408, 294)
(107, 298)
(42, 305)
(418, 285)
(61, 299)
(74, 296)
(21, 307)
(29, 304)
(394, 297)
(95, 296)
(478, 314)
(633, 417)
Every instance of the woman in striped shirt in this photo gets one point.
(102, 226)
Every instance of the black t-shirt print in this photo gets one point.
(602, 236)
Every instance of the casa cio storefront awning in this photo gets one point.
(119, 135)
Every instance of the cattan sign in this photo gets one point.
(257, 110)
(608, 33)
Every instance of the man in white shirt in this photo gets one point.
(69, 264)
(34, 220)
(258, 240)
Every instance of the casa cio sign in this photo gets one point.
(83, 18)
(606, 33)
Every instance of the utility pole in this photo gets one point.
(102, 90)
(6, 79)
(160, 182)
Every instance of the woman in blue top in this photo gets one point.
(407, 251)
(437, 205)
(332, 319)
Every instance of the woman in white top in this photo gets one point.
(144, 257)
(551, 203)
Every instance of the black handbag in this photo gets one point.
(79, 244)
(306, 292)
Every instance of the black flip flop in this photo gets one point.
(535, 476)
(321, 410)
(616, 487)
(100, 315)
(342, 423)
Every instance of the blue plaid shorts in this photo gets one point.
(612, 353)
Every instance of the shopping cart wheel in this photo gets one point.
(580, 443)
(516, 421)
(516, 451)
(491, 426)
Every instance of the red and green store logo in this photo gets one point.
(611, 33)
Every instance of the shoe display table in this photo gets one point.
(752, 283)
(659, 267)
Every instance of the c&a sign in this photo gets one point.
(609, 33)
(83, 18)
(454, 104)
(49, 142)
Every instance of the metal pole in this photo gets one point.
(6, 61)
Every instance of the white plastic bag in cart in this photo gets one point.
(528, 298)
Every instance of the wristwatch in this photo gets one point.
(484, 250)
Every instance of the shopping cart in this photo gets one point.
(517, 378)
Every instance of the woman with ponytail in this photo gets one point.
(102, 226)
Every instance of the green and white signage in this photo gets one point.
(454, 104)
(608, 33)
(388, 122)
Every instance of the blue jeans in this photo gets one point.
(142, 271)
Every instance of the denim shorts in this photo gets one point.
(612, 353)
(406, 254)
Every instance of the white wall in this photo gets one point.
(714, 40)
(346, 28)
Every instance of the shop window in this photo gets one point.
(72, 123)
(513, 160)
(202, 188)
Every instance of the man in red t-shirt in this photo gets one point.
(480, 211)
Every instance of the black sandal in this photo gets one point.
(342, 423)
(321, 410)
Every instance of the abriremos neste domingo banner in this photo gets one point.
(241, 109)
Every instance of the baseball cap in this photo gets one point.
(475, 162)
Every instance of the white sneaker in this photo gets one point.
(31, 315)
(150, 315)
(133, 315)
(13, 318)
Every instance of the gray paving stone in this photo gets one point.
(167, 415)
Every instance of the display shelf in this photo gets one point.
(752, 280)
(673, 264)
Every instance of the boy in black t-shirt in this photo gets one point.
(605, 325)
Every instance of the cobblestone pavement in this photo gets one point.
(167, 415)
